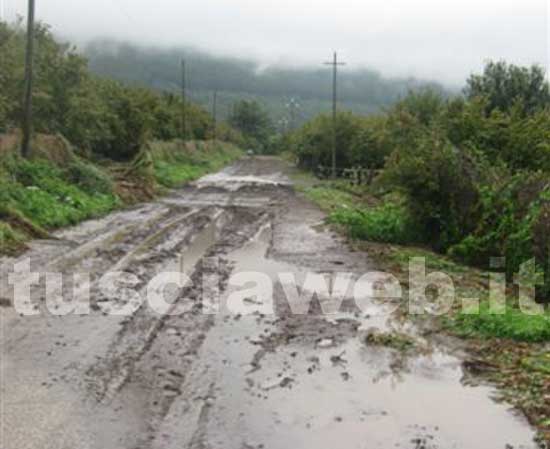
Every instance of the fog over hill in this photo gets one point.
(427, 39)
(360, 90)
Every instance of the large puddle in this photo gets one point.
(232, 182)
(299, 393)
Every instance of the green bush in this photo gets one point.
(101, 116)
(42, 193)
(253, 121)
(89, 178)
(505, 86)
(388, 223)
(474, 170)
(174, 166)
(513, 324)
(438, 180)
(313, 143)
(507, 225)
(9, 238)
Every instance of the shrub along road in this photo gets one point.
(230, 380)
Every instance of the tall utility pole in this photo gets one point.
(334, 65)
(27, 101)
(293, 107)
(215, 115)
(184, 102)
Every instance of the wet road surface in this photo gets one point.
(241, 377)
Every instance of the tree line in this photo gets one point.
(101, 116)
(470, 173)
(366, 91)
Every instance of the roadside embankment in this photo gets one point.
(57, 187)
(510, 349)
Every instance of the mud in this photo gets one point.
(234, 379)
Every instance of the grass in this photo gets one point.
(173, 175)
(361, 215)
(513, 324)
(47, 196)
(387, 223)
(331, 198)
(38, 194)
(10, 240)
(396, 341)
(514, 345)
(472, 283)
(434, 261)
(174, 168)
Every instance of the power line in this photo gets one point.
(334, 65)
(27, 103)
(215, 115)
(184, 101)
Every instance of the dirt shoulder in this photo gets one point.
(519, 369)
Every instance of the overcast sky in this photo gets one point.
(437, 39)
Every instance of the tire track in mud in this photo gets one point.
(173, 359)
(139, 332)
(104, 351)
(115, 231)
(197, 381)
(180, 358)
(94, 253)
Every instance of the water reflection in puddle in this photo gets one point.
(304, 393)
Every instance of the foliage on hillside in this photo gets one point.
(91, 146)
(365, 92)
(253, 121)
(174, 167)
(48, 191)
(473, 171)
(103, 117)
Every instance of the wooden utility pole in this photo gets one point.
(334, 65)
(293, 107)
(215, 115)
(184, 102)
(27, 101)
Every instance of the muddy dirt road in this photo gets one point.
(239, 378)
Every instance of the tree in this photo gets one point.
(252, 120)
(97, 115)
(505, 85)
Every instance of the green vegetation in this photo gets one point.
(365, 92)
(312, 144)
(470, 176)
(512, 324)
(253, 122)
(469, 179)
(332, 197)
(400, 342)
(105, 118)
(42, 194)
(91, 149)
(174, 167)
(10, 239)
(48, 195)
(39, 194)
(387, 223)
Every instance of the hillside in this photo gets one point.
(362, 91)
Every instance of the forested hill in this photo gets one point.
(362, 91)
